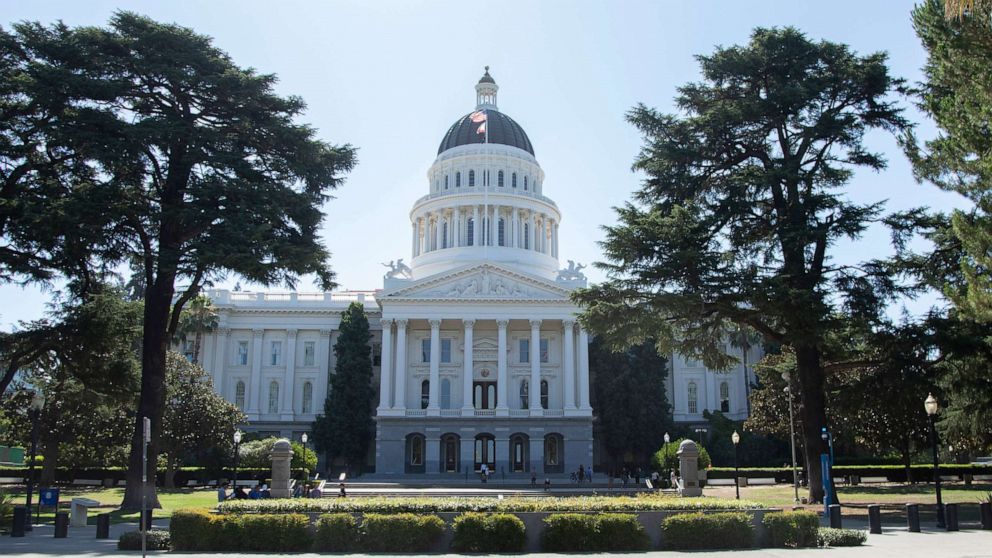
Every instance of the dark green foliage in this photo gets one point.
(156, 539)
(629, 399)
(576, 532)
(402, 532)
(793, 529)
(742, 204)
(199, 530)
(706, 531)
(841, 537)
(346, 428)
(488, 533)
(6, 510)
(336, 532)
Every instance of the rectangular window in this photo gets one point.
(276, 353)
(524, 351)
(243, 353)
(446, 350)
(309, 353)
(425, 350)
(376, 354)
(544, 350)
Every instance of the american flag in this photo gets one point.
(478, 116)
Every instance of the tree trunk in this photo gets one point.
(196, 347)
(50, 455)
(907, 462)
(814, 415)
(170, 472)
(151, 402)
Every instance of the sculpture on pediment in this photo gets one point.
(398, 269)
(572, 273)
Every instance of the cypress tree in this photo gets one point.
(346, 428)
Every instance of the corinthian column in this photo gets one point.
(534, 389)
(399, 401)
(568, 362)
(584, 370)
(467, 374)
(501, 376)
(385, 367)
(434, 404)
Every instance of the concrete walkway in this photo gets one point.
(893, 543)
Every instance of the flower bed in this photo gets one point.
(508, 505)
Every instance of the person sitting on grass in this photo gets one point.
(315, 492)
(298, 490)
(240, 494)
(265, 493)
(255, 493)
(222, 492)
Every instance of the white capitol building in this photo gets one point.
(477, 353)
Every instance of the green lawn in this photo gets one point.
(110, 499)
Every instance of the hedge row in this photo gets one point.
(181, 478)
(641, 502)
(792, 529)
(573, 532)
(713, 531)
(894, 473)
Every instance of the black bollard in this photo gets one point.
(875, 519)
(103, 526)
(951, 516)
(17, 528)
(986, 509)
(147, 514)
(61, 525)
(913, 517)
(835, 516)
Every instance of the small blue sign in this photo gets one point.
(49, 497)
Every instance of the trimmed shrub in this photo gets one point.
(484, 532)
(841, 537)
(569, 532)
(700, 531)
(617, 531)
(201, 530)
(793, 529)
(573, 532)
(158, 539)
(336, 532)
(402, 532)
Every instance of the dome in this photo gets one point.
(502, 129)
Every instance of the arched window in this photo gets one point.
(693, 393)
(415, 453)
(239, 395)
(513, 180)
(470, 232)
(485, 451)
(471, 178)
(499, 179)
(724, 397)
(553, 463)
(458, 179)
(527, 236)
(501, 235)
(425, 393)
(524, 394)
(485, 231)
(445, 393)
(518, 453)
(445, 182)
(525, 183)
(307, 398)
(544, 394)
(450, 450)
(273, 396)
(444, 234)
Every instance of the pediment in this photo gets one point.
(485, 282)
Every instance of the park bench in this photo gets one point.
(949, 478)
(985, 478)
(762, 481)
(87, 482)
(876, 480)
(78, 510)
(11, 480)
(720, 482)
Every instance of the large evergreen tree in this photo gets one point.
(741, 205)
(628, 387)
(346, 427)
(190, 164)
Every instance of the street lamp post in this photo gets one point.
(668, 472)
(792, 437)
(37, 404)
(736, 439)
(932, 407)
(237, 457)
(306, 473)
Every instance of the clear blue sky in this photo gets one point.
(390, 77)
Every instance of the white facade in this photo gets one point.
(694, 389)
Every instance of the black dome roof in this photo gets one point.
(502, 129)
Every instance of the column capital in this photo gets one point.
(568, 324)
(386, 322)
(469, 323)
(257, 332)
(325, 333)
(225, 331)
(535, 324)
(292, 332)
(502, 323)
(401, 323)
(435, 324)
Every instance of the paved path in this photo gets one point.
(894, 543)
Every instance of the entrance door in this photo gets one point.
(484, 395)
(449, 449)
(518, 454)
(485, 452)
